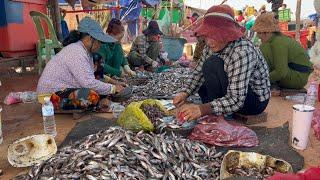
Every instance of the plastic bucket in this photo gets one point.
(302, 118)
(174, 47)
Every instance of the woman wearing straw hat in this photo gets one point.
(234, 78)
(288, 62)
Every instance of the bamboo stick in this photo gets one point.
(298, 13)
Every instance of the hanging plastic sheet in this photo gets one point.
(151, 2)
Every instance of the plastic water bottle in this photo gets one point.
(49, 123)
(312, 94)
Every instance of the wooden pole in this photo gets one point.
(223, 1)
(118, 10)
(56, 18)
(298, 21)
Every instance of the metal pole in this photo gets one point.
(298, 13)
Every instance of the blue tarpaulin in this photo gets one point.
(131, 13)
(151, 2)
(314, 17)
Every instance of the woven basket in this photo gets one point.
(316, 4)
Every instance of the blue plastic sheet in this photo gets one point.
(151, 2)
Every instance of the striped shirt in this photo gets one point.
(141, 45)
(245, 66)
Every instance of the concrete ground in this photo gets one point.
(22, 120)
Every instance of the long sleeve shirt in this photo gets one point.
(245, 66)
(114, 58)
(141, 45)
(72, 67)
(281, 50)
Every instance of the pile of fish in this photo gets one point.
(162, 84)
(153, 112)
(253, 172)
(150, 85)
(119, 154)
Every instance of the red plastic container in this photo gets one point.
(283, 26)
(303, 37)
(18, 33)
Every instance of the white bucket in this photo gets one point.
(302, 118)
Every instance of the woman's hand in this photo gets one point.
(180, 99)
(119, 88)
(190, 112)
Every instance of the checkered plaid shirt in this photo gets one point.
(141, 45)
(245, 66)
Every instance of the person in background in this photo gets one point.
(194, 17)
(288, 62)
(240, 18)
(232, 78)
(251, 20)
(69, 75)
(64, 25)
(198, 51)
(147, 51)
(283, 7)
(276, 4)
(116, 63)
(262, 10)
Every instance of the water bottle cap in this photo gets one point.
(46, 99)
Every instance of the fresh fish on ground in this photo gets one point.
(157, 84)
(252, 172)
(130, 155)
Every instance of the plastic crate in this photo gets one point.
(284, 15)
(283, 26)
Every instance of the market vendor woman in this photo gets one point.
(116, 63)
(69, 75)
(234, 78)
(288, 62)
(146, 50)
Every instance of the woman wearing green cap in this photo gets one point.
(69, 75)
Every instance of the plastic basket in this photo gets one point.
(284, 15)
(174, 47)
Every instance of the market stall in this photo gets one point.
(143, 135)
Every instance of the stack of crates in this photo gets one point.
(284, 15)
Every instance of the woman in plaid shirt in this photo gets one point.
(232, 75)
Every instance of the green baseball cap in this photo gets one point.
(90, 26)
